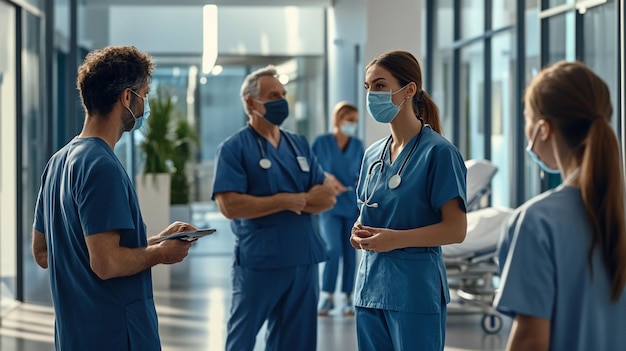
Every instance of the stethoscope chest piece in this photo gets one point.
(265, 163)
(394, 181)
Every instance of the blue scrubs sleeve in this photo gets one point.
(102, 199)
(230, 174)
(39, 222)
(528, 275)
(447, 177)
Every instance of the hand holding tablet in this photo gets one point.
(188, 236)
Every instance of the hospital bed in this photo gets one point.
(473, 274)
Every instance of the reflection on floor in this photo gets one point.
(194, 310)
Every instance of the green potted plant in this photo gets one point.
(184, 141)
(168, 148)
(157, 145)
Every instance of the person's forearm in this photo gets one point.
(320, 198)
(441, 233)
(244, 206)
(126, 261)
(529, 333)
(40, 249)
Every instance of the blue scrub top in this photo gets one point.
(282, 239)
(410, 279)
(344, 165)
(543, 256)
(85, 190)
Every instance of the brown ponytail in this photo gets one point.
(602, 187)
(428, 110)
(577, 102)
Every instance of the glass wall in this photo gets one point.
(8, 195)
(600, 51)
(588, 35)
(475, 61)
(503, 103)
(532, 180)
(471, 101)
(442, 83)
(32, 149)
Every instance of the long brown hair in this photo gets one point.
(404, 67)
(577, 102)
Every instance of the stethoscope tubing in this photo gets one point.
(381, 162)
(262, 151)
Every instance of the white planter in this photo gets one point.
(153, 192)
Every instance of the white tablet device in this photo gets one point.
(189, 236)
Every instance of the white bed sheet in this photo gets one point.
(484, 228)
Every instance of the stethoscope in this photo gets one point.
(396, 179)
(266, 163)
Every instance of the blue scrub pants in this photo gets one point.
(336, 232)
(286, 297)
(385, 330)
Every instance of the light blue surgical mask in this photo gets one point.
(348, 128)
(380, 106)
(535, 157)
(139, 120)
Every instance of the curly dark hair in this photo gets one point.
(105, 73)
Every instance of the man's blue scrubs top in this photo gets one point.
(411, 279)
(283, 239)
(85, 190)
(544, 259)
(344, 165)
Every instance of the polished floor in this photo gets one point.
(194, 309)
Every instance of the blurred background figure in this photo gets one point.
(340, 154)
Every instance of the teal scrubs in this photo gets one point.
(401, 295)
(275, 276)
(543, 255)
(336, 223)
(85, 190)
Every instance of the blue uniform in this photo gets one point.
(85, 190)
(401, 295)
(545, 274)
(336, 224)
(275, 274)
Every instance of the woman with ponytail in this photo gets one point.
(563, 254)
(411, 195)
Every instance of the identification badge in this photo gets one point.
(304, 163)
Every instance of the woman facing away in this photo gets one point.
(412, 196)
(340, 154)
(563, 253)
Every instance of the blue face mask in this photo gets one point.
(535, 157)
(139, 120)
(276, 111)
(348, 128)
(380, 106)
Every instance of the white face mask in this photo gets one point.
(348, 128)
